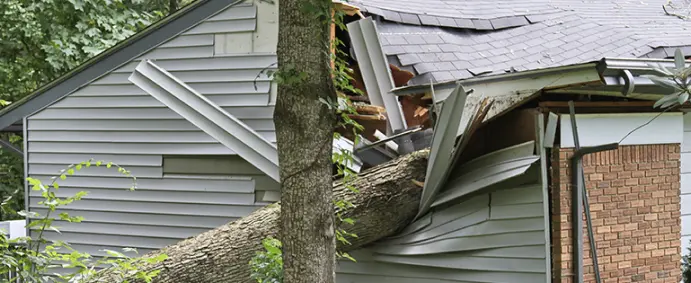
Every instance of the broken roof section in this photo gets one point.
(554, 33)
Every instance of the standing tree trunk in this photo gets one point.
(304, 132)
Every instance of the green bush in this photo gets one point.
(31, 259)
(267, 265)
(686, 266)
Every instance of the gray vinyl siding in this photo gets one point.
(686, 186)
(495, 233)
(113, 120)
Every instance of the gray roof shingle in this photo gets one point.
(457, 39)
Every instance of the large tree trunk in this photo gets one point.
(388, 200)
(304, 134)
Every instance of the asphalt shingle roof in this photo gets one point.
(552, 33)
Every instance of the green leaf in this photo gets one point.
(679, 59)
(663, 81)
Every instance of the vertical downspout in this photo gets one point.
(580, 197)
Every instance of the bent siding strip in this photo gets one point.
(209, 117)
(485, 226)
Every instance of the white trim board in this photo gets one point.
(598, 129)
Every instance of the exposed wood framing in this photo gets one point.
(375, 71)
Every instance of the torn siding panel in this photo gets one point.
(209, 117)
(442, 147)
(496, 234)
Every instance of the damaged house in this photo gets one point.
(185, 105)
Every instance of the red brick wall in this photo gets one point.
(634, 203)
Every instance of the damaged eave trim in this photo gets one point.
(519, 82)
(4, 144)
(207, 116)
(375, 70)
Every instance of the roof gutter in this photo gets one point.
(523, 75)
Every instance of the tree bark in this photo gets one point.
(387, 201)
(304, 134)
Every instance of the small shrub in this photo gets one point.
(30, 259)
(686, 266)
(267, 265)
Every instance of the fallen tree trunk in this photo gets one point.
(387, 201)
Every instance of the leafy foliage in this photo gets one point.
(686, 267)
(41, 40)
(267, 265)
(28, 259)
(675, 79)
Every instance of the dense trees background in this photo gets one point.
(42, 40)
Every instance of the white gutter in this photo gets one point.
(209, 117)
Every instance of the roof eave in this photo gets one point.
(491, 79)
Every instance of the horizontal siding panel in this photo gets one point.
(470, 262)
(448, 275)
(123, 160)
(686, 226)
(598, 129)
(49, 169)
(238, 184)
(243, 25)
(196, 76)
(383, 278)
(139, 137)
(179, 52)
(245, 61)
(156, 196)
(534, 251)
(685, 166)
(494, 227)
(206, 88)
(146, 101)
(223, 165)
(685, 179)
(685, 204)
(110, 240)
(522, 195)
(201, 222)
(189, 41)
(517, 211)
(129, 148)
(235, 13)
(128, 230)
(450, 214)
(469, 243)
(242, 112)
(158, 208)
(265, 183)
(153, 125)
